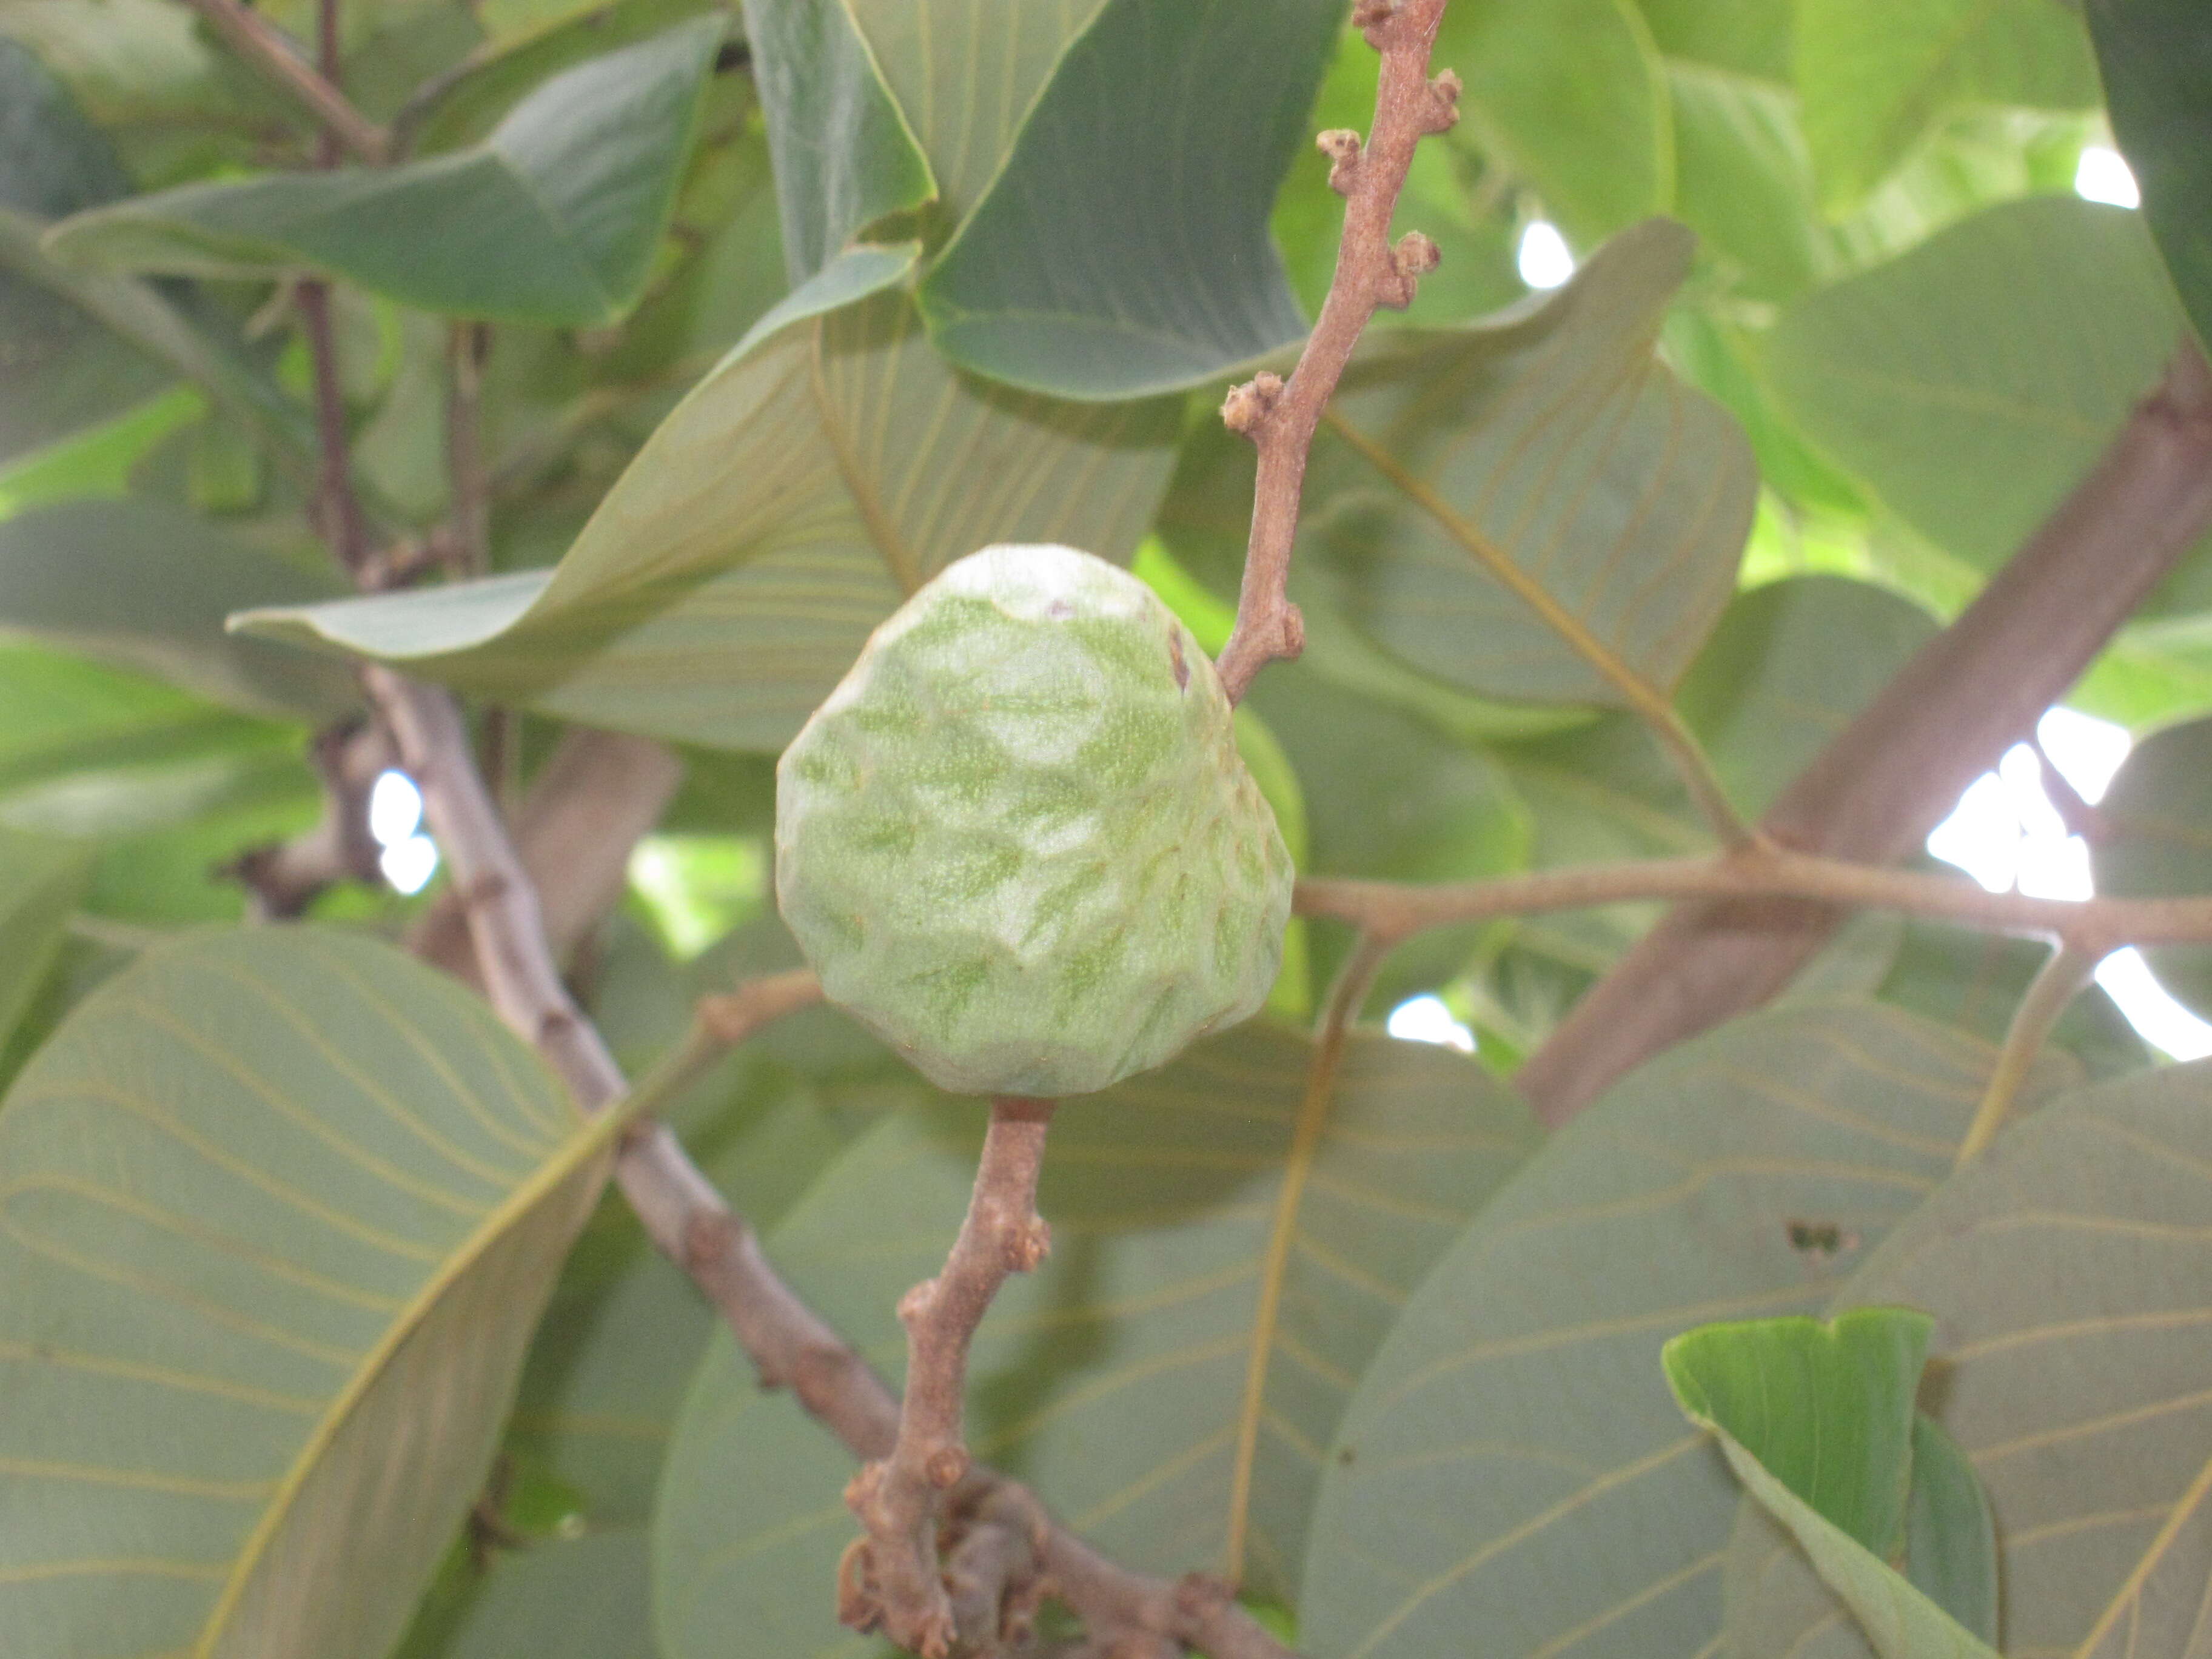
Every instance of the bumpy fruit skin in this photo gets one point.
(1018, 842)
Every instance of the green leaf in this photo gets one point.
(1511, 1473)
(1532, 509)
(845, 157)
(829, 465)
(1884, 1349)
(1194, 1237)
(1825, 1409)
(2155, 841)
(1777, 1603)
(1950, 1537)
(555, 1597)
(147, 587)
(53, 161)
(1571, 96)
(40, 881)
(1788, 668)
(282, 1211)
(1099, 264)
(1973, 380)
(1743, 180)
(963, 76)
(1749, 37)
(2067, 1269)
(553, 219)
(2157, 62)
(1873, 75)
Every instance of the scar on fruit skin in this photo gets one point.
(1182, 668)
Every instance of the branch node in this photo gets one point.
(1248, 406)
(1372, 18)
(1341, 146)
(1413, 258)
(914, 1304)
(1028, 1244)
(1443, 112)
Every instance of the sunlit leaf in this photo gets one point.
(1100, 265)
(1743, 180)
(1873, 75)
(281, 1212)
(1973, 380)
(827, 468)
(1720, 1381)
(554, 219)
(1118, 1378)
(1504, 1480)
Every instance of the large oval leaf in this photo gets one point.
(1974, 380)
(552, 220)
(828, 467)
(2067, 1268)
(279, 1212)
(1512, 1478)
(2155, 841)
(1169, 1379)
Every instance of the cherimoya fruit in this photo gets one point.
(1018, 842)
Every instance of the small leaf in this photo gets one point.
(2155, 841)
(1950, 1537)
(1120, 1378)
(1099, 264)
(1901, 1622)
(830, 465)
(553, 219)
(147, 586)
(1501, 1482)
(281, 1212)
(2157, 63)
(1873, 75)
(1825, 1408)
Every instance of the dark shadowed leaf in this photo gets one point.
(40, 881)
(554, 219)
(1512, 1475)
(2157, 62)
(282, 1211)
(1100, 263)
(1116, 1380)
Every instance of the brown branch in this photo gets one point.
(468, 346)
(338, 517)
(269, 49)
(1281, 418)
(1391, 911)
(285, 878)
(891, 1579)
(1876, 792)
(585, 809)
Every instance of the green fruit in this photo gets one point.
(1018, 842)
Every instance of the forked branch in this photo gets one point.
(270, 50)
(891, 1578)
(1281, 416)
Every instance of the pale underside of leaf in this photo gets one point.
(1512, 1475)
(279, 1213)
(733, 574)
